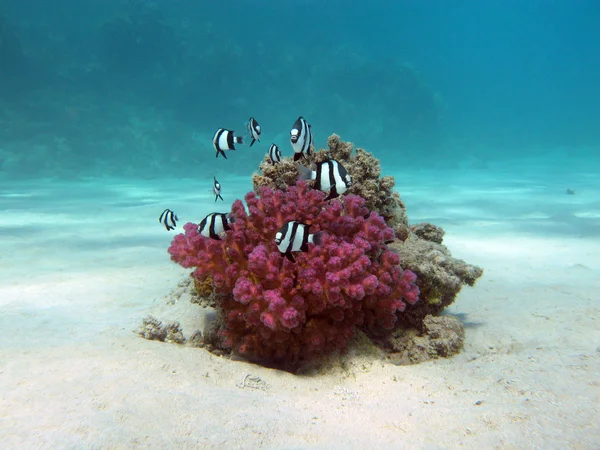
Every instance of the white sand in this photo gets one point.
(80, 266)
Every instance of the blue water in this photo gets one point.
(136, 88)
(487, 114)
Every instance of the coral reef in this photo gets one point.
(441, 337)
(363, 167)
(281, 313)
(365, 276)
(428, 231)
(439, 276)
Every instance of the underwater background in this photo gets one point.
(486, 113)
(136, 88)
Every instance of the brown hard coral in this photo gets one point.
(440, 277)
(276, 176)
(367, 182)
(440, 337)
(362, 166)
(428, 231)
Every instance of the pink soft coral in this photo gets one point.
(283, 313)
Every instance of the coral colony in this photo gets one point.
(284, 309)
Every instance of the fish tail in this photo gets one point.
(317, 238)
(304, 173)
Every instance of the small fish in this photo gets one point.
(330, 176)
(301, 138)
(169, 219)
(217, 189)
(225, 140)
(274, 154)
(214, 225)
(254, 130)
(294, 237)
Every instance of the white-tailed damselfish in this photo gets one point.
(254, 130)
(214, 225)
(301, 138)
(295, 237)
(217, 189)
(225, 140)
(330, 177)
(169, 219)
(274, 154)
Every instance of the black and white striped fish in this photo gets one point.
(295, 237)
(274, 154)
(330, 177)
(301, 138)
(169, 219)
(254, 130)
(217, 189)
(225, 140)
(214, 225)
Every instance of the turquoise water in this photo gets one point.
(486, 113)
(136, 88)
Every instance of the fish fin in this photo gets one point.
(332, 194)
(304, 173)
(222, 153)
(252, 142)
(219, 197)
(297, 156)
(290, 257)
(239, 140)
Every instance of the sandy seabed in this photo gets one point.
(82, 263)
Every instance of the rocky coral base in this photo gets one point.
(155, 330)
(440, 277)
(438, 337)
(442, 337)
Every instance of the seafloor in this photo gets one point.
(83, 262)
